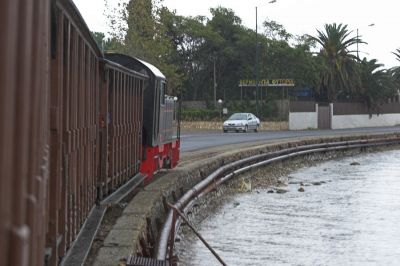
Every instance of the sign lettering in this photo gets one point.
(267, 83)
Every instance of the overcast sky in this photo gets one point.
(297, 16)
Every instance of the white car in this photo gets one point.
(241, 122)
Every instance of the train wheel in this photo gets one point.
(167, 163)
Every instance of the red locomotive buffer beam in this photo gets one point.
(163, 156)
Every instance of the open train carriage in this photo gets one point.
(121, 123)
(74, 135)
(24, 134)
(160, 118)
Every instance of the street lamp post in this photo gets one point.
(257, 70)
(215, 84)
(257, 67)
(220, 108)
(357, 45)
(370, 25)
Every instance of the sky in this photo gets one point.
(297, 16)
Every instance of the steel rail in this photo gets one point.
(80, 248)
(226, 172)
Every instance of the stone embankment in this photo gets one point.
(136, 230)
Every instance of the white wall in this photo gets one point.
(355, 121)
(299, 121)
(306, 120)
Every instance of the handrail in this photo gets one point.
(226, 172)
(172, 237)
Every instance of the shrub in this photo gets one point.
(199, 114)
(268, 111)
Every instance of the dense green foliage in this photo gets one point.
(396, 70)
(104, 44)
(200, 114)
(377, 84)
(269, 111)
(340, 74)
(189, 50)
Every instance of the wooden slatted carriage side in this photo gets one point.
(52, 168)
(24, 83)
(121, 123)
(74, 109)
(93, 104)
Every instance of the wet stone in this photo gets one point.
(281, 191)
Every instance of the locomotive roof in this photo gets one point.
(153, 69)
(133, 63)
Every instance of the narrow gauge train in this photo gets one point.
(160, 126)
(75, 125)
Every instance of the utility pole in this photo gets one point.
(215, 86)
(358, 36)
(357, 44)
(257, 70)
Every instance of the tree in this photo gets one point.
(396, 70)
(144, 36)
(189, 37)
(99, 38)
(140, 28)
(340, 74)
(276, 31)
(377, 84)
(116, 16)
(187, 48)
(109, 44)
(397, 54)
(396, 73)
(224, 50)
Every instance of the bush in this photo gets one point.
(268, 109)
(200, 114)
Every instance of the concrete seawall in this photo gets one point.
(136, 230)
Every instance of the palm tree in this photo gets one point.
(340, 75)
(377, 84)
(397, 54)
(396, 70)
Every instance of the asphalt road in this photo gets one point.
(193, 141)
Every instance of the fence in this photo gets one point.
(362, 109)
(303, 115)
(307, 115)
(301, 107)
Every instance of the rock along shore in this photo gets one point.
(132, 228)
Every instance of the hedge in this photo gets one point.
(199, 114)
